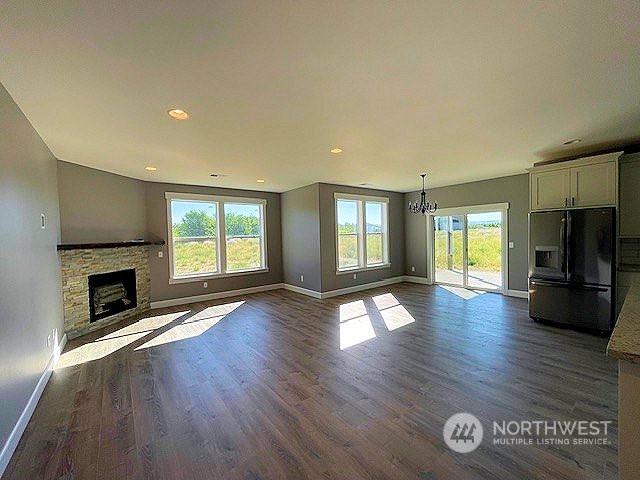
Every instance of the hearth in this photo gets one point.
(111, 293)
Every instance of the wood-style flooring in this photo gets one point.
(258, 387)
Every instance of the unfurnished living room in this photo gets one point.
(254, 240)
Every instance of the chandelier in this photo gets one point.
(424, 207)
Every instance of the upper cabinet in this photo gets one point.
(550, 189)
(629, 196)
(586, 182)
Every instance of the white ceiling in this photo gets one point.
(462, 90)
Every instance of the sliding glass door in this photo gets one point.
(468, 248)
(449, 249)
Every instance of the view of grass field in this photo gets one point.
(484, 248)
(348, 249)
(200, 256)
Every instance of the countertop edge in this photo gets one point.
(624, 343)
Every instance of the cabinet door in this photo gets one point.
(629, 198)
(593, 185)
(549, 189)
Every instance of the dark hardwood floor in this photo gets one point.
(258, 387)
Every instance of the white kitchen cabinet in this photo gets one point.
(550, 189)
(581, 183)
(593, 185)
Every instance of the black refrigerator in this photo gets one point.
(571, 267)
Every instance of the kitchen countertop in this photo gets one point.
(624, 343)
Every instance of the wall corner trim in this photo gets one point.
(517, 293)
(215, 295)
(414, 279)
(14, 438)
(303, 291)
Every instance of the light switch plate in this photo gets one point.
(510, 244)
(160, 254)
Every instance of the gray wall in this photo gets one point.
(330, 279)
(513, 189)
(30, 285)
(97, 206)
(301, 237)
(156, 207)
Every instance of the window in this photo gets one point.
(362, 232)
(215, 236)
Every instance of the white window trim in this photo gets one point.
(362, 239)
(221, 246)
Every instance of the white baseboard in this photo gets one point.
(343, 291)
(303, 291)
(414, 279)
(214, 296)
(12, 442)
(517, 293)
(359, 288)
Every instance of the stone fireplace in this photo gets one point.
(103, 284)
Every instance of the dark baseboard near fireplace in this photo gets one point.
(111, 293)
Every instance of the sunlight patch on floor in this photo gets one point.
(355, 324)
(355, 331)
(352, 310)
(393, 313)
(114, 341)
(463, 293)
(193, 326)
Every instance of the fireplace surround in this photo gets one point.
(86, 269)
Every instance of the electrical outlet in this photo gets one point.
(354, 275)
(302, 278)
(205, 284)
(160, 254)
(413, 269)
(510, 244)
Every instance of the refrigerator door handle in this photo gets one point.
(569, 265)
(562, 246)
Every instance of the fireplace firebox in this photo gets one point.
(111, 293)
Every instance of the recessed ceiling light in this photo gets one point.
(150, 169)
(336, 150)
(260, 180)
(178, 114)
(572, 141)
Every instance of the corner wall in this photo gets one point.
(513, 189)
(98, 206)
(30, 285)
(301, 237)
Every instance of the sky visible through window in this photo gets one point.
(348, 213)
(180, 208)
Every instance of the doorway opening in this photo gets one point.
(468, 247)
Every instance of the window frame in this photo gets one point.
(221, 236)
(362, 200)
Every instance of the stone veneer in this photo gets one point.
(77, 265)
